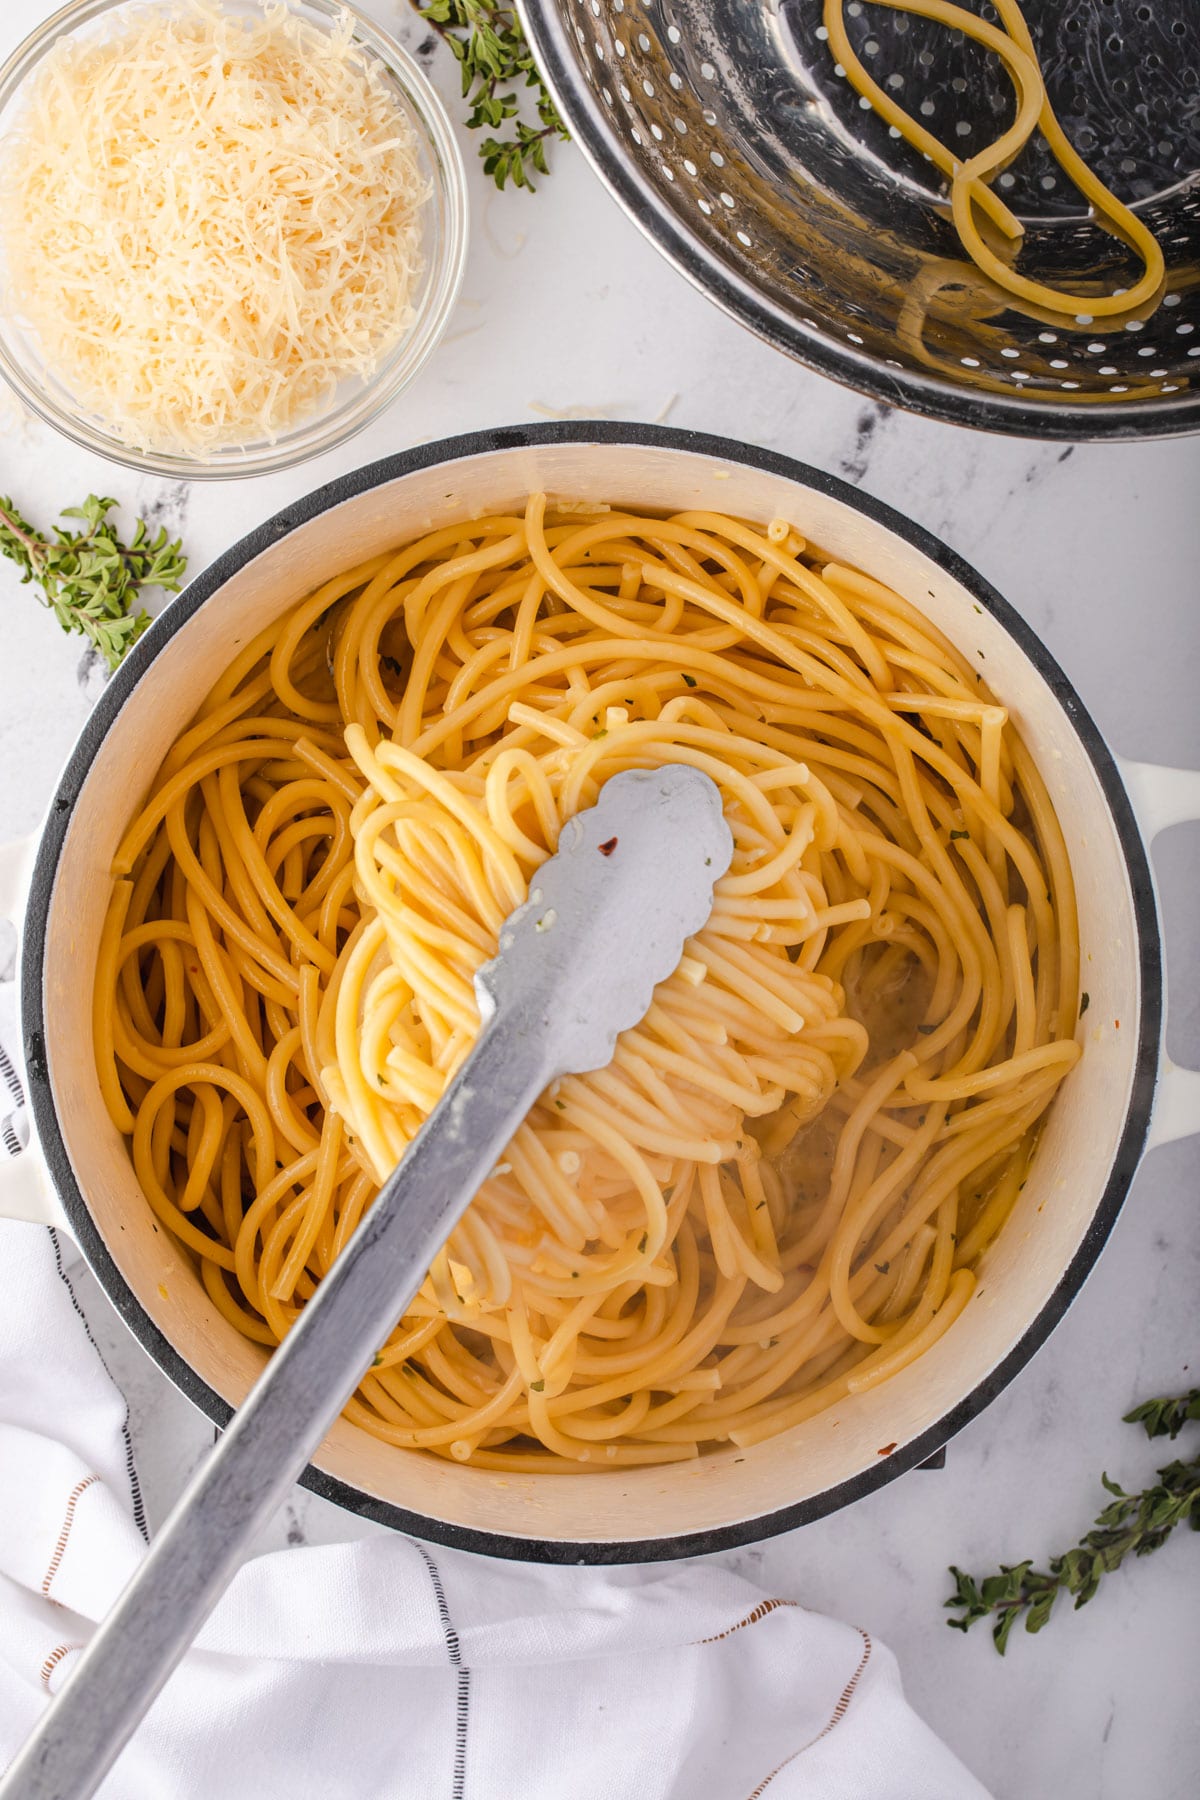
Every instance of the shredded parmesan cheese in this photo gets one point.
(210, 221)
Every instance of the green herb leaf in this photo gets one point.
(486, 39)
(1085, 1000)
(959, 834)
(1131, 1524)
(690, 680)
(537, 1387)
(1166, 1418)
(89, 579)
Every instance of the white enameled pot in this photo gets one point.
(1099, 1127)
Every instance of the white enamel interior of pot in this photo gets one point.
(1019, 1274)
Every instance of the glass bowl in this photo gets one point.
(359, 400)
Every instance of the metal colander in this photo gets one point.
(728, 133)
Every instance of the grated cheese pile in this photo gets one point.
(210, 221)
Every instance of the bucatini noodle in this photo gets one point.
(778, 1192)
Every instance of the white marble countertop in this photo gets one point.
(565, 307)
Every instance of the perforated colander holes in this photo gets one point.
(657, 132)
(963, 128)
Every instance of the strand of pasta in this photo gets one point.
(969, 189)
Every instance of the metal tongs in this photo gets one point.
(606, 920)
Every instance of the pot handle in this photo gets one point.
(1161, 798)
(25, 1189)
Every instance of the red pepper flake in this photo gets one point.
(886, 1451)
(607, 849)
(1116, 1024)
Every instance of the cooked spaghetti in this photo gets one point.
(777, 1193)
(973, 200)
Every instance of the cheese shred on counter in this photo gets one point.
(210, 221)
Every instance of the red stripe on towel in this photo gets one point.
(751, 1618)
(52, 1661)
(64, 1534)
(835, 1717)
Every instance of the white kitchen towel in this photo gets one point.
(387, 1670)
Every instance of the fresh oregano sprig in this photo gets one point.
(496, 62)
(90, 580)
(1132, 1525)
(1166, 1418)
